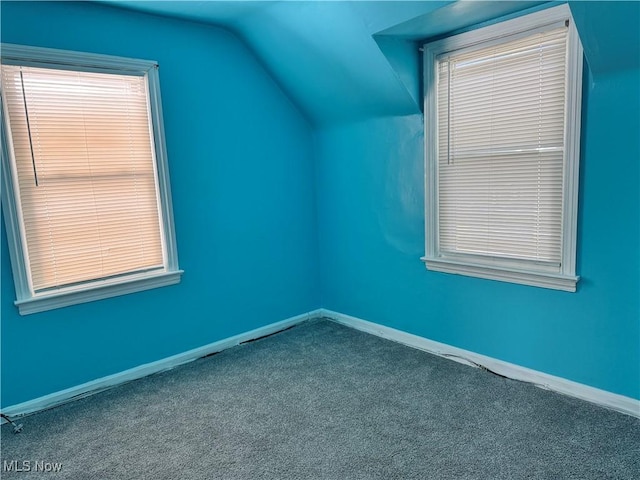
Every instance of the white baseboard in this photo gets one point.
(603, 398)
(620, 403)
(101, 384)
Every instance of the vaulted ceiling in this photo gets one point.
(350, 60)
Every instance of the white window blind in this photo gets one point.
(85, 173)
(500, 115)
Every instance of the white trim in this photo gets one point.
(97, 291)
(13, 54)
(555, 281)
(619, 403)
(162, 170)
(104, 383)
(571, 178)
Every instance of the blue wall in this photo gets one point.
(240, 158)
(275, 218)
(372, 235)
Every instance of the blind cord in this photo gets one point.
(26, 111)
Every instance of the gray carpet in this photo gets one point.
(322, 401)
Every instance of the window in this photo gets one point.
(86, 187)
(502, 134)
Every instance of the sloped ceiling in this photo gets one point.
(350, 60)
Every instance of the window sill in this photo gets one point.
(96, 291)
(554, 281)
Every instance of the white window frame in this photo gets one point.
(497, 268)
(27, 300)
